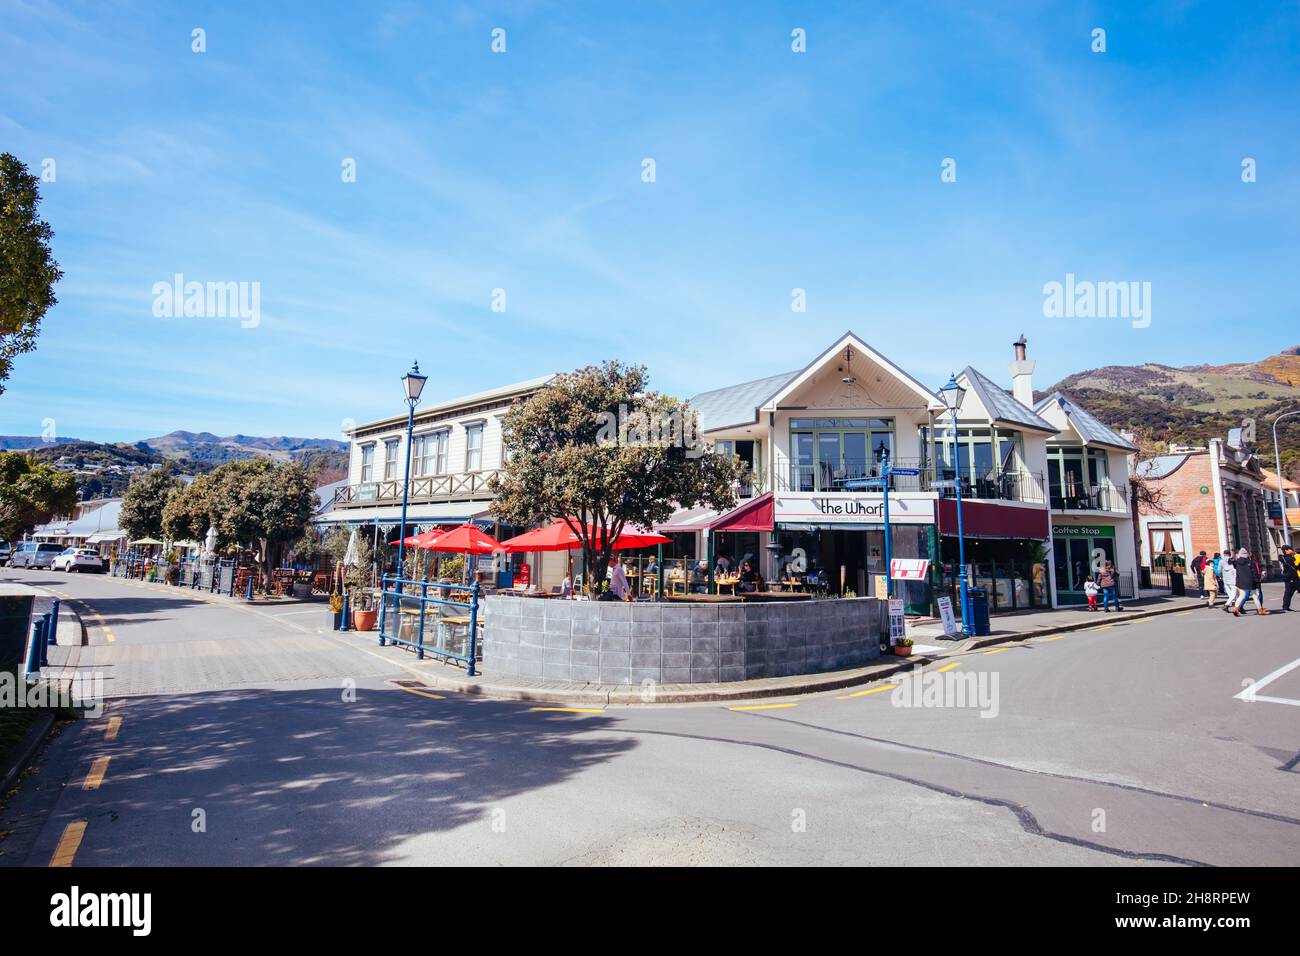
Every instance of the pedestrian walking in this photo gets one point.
(1108, 580)
(1198, 569)
(1228, 583)
(1259, 587)
(1218, 568)
(1209, 584)
(1246, 580)
(1091, 590)
(1290, 562)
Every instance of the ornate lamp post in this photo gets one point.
(414, 384)
(952, 394)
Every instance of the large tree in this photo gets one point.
(31, 493)
(144, 501)
(263, 504)
(28, 271)
(600, 451)
(187, 512)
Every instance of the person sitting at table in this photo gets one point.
(723, 566)
(749, 578)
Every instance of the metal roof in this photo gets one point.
(1092, 431)
(736, 404)
(478, 398)
(1003, 407)
(1162, 466)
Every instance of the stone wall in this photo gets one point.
(611, 642)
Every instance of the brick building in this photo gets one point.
(1213, 500)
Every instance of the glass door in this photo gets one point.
(829, 464)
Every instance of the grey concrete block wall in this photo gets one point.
(615, 643)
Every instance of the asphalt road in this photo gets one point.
(241, 736)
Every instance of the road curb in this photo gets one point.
(26, 749)
(977, 643)
(631, 695)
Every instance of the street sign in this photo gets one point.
(908, 569)
(904, 471)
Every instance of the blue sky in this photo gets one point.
(522, 171)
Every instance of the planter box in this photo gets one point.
(302, 590)
(364, 620)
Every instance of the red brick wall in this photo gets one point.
(1182, 496)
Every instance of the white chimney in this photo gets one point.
(1022, 375)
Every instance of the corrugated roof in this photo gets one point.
(1271, 481)
(1162, 466)
(478, 398)
(736, 404)
(1089, 428)
(1003, 407)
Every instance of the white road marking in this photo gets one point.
(1251, 692)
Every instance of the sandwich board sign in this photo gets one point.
(897, 625)
(946, 615)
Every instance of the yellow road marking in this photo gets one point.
(68, 843)
(96, 775)
(1102, 628)
(763, 707)
(997, 650)
(1059, 636)
(864, 693)
(948, 667)
(571, 710)
(1182, 613)
(114, 725)
(420, 693)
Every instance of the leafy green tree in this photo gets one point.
(597, 449)
(31, 493)
(28, 271)
(144, 502)
(258, 502)
(187, 512)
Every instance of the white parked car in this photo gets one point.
(78, 559)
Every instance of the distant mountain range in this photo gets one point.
(103, 469)
(1192, 404)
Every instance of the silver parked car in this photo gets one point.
(30, 554)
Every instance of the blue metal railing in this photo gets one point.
(409, 616)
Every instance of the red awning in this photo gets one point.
(983, 519)
(756, 515)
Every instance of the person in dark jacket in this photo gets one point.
(1288, 559)
(1198, 565)
(1247, 579)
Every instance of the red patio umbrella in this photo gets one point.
(424, 539)
(466, 539)
(556, 536)
(635, 537)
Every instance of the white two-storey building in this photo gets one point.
(1043, 485)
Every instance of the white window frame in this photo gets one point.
(470, 429)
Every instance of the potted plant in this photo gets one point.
(363, 618)
(336, 609)
(904, 647)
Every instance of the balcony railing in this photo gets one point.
(1106, 496)
(453, 487)
(864, 475)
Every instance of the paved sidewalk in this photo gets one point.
(1026, 624)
